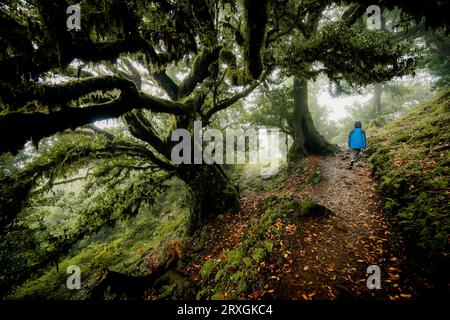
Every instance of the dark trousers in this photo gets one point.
(355, 154)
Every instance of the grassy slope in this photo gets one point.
(122, 248)
(411, 157)
(127, 248)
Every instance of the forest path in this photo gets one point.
(331, 254)
(318, 257)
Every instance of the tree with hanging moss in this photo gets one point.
(53, 79)
(156, 66)
(152, 66)
(331, 38)
(274, 108)
(328, 40)
(322, 38)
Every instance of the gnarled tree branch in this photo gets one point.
(166, 83)
(20, 127)
(199, 72)
(229, 101)
(142, 129)
(51, 94)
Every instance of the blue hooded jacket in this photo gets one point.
(357, 137)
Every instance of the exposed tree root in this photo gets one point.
(123, 284)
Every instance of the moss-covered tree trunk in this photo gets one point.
(377, 91)
(378, 87)
(212, 193)
(306, 137)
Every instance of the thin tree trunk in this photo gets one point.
(306, 137)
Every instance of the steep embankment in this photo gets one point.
(411, 158)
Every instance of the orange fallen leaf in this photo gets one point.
(392, 269)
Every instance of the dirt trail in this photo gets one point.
(333, 253)
(318, 257)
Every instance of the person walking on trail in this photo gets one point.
(356, 142)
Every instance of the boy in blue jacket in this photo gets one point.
(356, 142)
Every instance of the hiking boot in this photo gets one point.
(350, 165)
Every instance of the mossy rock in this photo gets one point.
(310, 208)
(280, 204)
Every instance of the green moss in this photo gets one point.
(237, 274)
(228, 57)
(121, 248)
(208, 267)
(202, 293)
(242, 285)
(178, 287)
(217, 296)
(278, 205)
(268, 245)
(247, 261)
(219, 275)
(410, 158)
(234, 257)
(259, 254)
(199, 245)
(314, 177)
